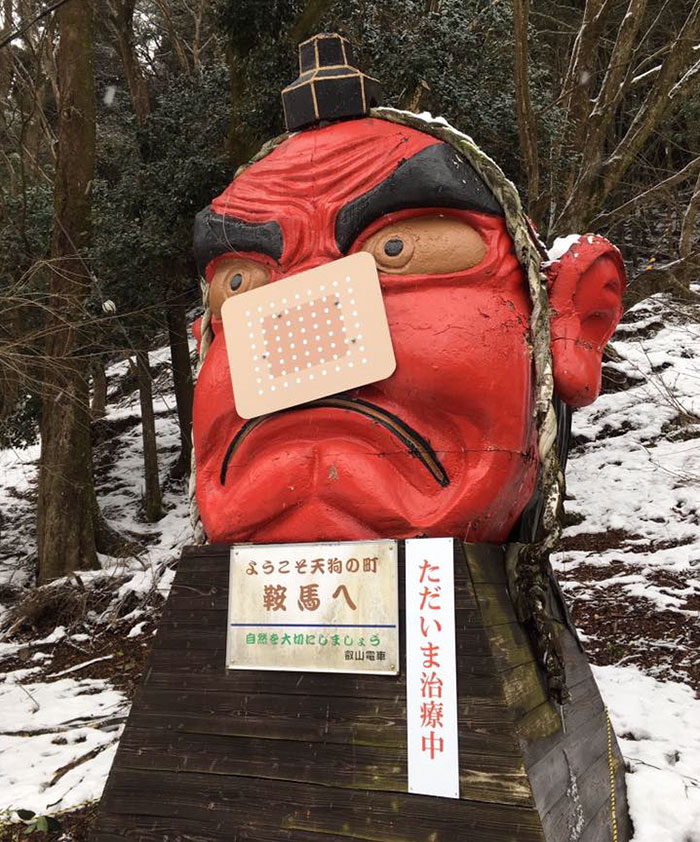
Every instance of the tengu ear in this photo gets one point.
(586, 285)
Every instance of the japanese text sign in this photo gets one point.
(431, 670)
(327, 607)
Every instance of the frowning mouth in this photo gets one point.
(415, 443)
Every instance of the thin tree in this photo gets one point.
(617, 95)
(122, 26)
(66, 503)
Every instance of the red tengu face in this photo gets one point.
(447, 444)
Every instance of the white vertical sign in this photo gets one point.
(431, 668)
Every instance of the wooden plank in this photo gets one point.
(576, 663)
(510, 646)
(587, 794)
(203, 551)
(110, 828)
(495, 783)
(212, 662)
(117, 828)
(314, 718)
(550, 777)
(523, 689)
(324, 810)
(585, 706)
(486, 563)
(599, 829)
(212, 638)
(495, 778)
(479, 738)
(309, 684)
(494, 604)
(199, 617)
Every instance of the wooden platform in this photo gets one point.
(311, 757)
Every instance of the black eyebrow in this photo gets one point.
(437, 177)
(216, 234)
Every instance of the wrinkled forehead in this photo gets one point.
(332, 165)
(328, 184)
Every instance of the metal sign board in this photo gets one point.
(431, 668)
(327, 607)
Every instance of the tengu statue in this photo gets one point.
(485, 332)
(387, 352)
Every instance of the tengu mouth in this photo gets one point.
(412, 440)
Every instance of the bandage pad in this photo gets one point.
(307, 336)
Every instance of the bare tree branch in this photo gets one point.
(611, 89)
(656, 102)
(609, 217)
(25, 27)
(583, 55)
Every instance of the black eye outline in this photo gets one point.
(236, 279)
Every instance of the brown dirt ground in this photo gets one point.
(664, 643)
(76, 825)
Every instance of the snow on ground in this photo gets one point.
(59, 729)
(17, 476)
(57, 741)
(657, 727)
(629, 564)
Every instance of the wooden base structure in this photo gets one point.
(308, 757)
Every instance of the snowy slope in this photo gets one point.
(630, 565)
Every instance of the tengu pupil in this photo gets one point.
(236, 281)
(393, 247)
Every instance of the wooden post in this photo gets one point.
(211, 755)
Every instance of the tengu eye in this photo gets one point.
(431, 244)
(393, 247)
(234, 276)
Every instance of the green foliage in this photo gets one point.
(21, 427)
(463, 53)
(265, 70)
(151, 181)
(38, 824)
(250, 23)
(26, 222)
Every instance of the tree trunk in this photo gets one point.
(123, 12)
(99, 389)
(6, 64)
(527, 129)
(65, 535)
(177, 328)
(689, 240)
(152, 500)
(243, 141)
(182, 381)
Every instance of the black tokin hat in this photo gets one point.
(330, 86)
